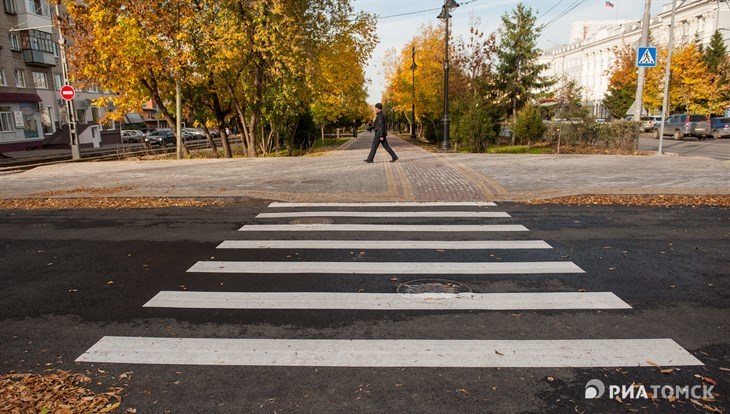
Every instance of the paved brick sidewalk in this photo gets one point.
(343, 176)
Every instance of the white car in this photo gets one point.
(132, 136)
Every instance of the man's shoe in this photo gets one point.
(368, 161)
(394, 159)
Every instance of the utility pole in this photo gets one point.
(639, 99)
(73, 135)
(667, 75)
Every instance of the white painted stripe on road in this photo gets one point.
(387, 214)
(577, 353)
(390, 204)
(387, 301)
(383, 227)
(384, 244)
(439, 268)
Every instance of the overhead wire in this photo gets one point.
(420, 11)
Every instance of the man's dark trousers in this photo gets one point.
(381, 128)
(376, 142)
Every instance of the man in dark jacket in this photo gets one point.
(381, 131)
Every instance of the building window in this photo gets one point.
(39, 7)
(7, 121)
(40, 80)
(55, 50)
(38, 40)
(57, 82)
(14, 42)
(47, 120)
(3, 82)
(81, 116)
(19, 78)
(95, 115)
(10, 6)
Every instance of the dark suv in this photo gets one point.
(686, 125)
(162, 137)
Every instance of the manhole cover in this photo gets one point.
(312, 220)
(445, 288)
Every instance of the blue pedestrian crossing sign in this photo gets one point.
(646, 57)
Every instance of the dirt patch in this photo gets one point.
(722, 200)
(85, 190)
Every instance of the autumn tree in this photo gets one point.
(252, 62)
(717, 58)
(429, 77)
(338, 76)
(689, 89)
(518, 70)
(476, 103)
(621, 82)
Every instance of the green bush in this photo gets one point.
(529, 124)
(618, 134)
(475, 128)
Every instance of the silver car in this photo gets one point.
(132, 136)
(686, 125)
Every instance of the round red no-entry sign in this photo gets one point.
(67, 92)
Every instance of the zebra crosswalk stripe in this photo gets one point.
(389, 204)
(405, 228)
(576, 353)
(388, 214)
(384, 244)
(387, 301)
(437, 268)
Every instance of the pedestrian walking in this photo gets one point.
(381, 131)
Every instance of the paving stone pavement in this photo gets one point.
(342, 175)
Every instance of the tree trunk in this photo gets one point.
(211, 142)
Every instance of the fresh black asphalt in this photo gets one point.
(70, 277)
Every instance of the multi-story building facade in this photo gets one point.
(31, 109)
(589, 56)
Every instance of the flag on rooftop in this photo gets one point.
(609, 4)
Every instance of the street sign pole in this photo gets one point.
(73, 136)
(639, 99)
(667, 74)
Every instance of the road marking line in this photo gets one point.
(386, 214)
(384, 244)
(387, 301)
(383, 227)
(442, 268)
(390, 204)
(577, 353)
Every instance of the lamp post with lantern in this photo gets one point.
(448, 6)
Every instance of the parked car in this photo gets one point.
(162, 137)
(193, 133)
(647, 123)
(686, 125)
(657, 121)
(132, 136)
(720, 127)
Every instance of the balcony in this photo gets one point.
(35, 57)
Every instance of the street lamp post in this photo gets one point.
(448, 6)
(413, 98)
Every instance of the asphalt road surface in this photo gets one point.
(580, 293)
(710, 147)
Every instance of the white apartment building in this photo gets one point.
(590, 54)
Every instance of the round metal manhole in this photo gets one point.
(312, 220)
(433, 290)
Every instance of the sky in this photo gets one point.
(396, 31)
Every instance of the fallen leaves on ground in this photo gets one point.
(719, 200)
(57, 392)
(104, 203)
